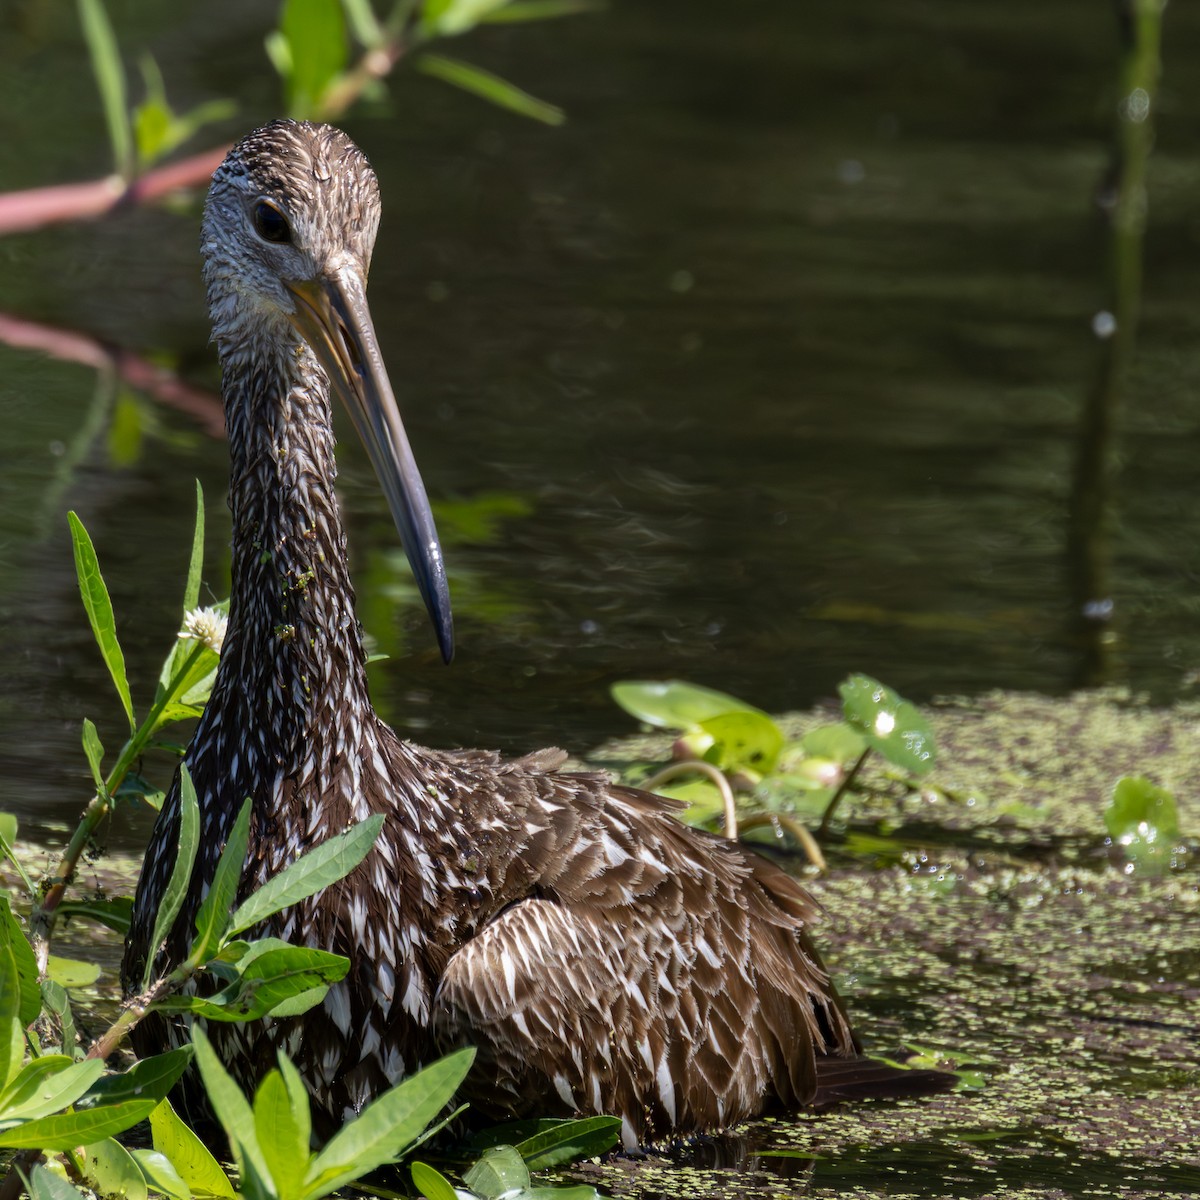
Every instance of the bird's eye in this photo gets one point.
(270, 223)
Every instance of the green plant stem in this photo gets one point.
(780, 821)
(54, 887)
(697, 766)
(827, 815)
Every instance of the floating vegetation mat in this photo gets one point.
(1000, 930)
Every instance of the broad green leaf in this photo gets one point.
(25, 1087)
(151, 130)
(57, 1005)
(279, 1135)
(431, 1183)
(191, 593)
(569, 1141)
(71, 973)
(116, 912)
(110, 80)
(743, 741)
(95, 594)
(8, 829)
(188, 1154)
(213, 918)
(332, 860)
(181, 873)
(111, 1171)
(67, 1130)
(888, 723)
(23, 976)
(235, 1116)
(581, 1192)
(387, 1126)
(150, 1079)
(45, 1184)
(158, 1172)
(672, 704)
(541, 10)
(134, 789)
(262, 983)
(315, 31)
(489, 87)
(841, 742)
(702, 797)
(42, 1092)
(1143, 820)
(95, 755)
(500, 1171)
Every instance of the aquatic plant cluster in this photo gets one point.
(59, 1100)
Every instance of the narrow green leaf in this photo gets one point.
(191, 593)
(150, 1079)
(541, 10)
(42, 1093)
(181, 872)
(8, 840)
(431, 1183)
(500, 1171)
(27, 1083)
(213, 918)
(115, 912)
(152, 118)
(67, 1130)
(96, 599)
(279, 1136)
(326, 863)
(298, 1099)
(12, 1032)
(95, 755)
(569, 1141)
(316, 37)
(24, 973)
(158, 1172)
(363, 22)
(582, 1191)
(448, 18)
(110, 80)
(110, 1170)
(387, 1126)
(57, 1005)
(188, 1154)
(673, 704)
(262, 983)
(235, 1116)
(489, 87)
(71, 972)
(46, 1185)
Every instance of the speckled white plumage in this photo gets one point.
(603, 957)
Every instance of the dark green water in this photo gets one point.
(780, 341)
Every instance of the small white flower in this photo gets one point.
(206, 625)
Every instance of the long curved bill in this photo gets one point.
(332, 316)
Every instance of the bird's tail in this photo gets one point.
(864, 1078)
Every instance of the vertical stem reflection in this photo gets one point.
(1122, 200)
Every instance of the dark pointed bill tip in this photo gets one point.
(332, 316)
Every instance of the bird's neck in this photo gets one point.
(292, 675)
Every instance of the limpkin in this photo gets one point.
(602, 956)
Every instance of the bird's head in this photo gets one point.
(289, 227)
